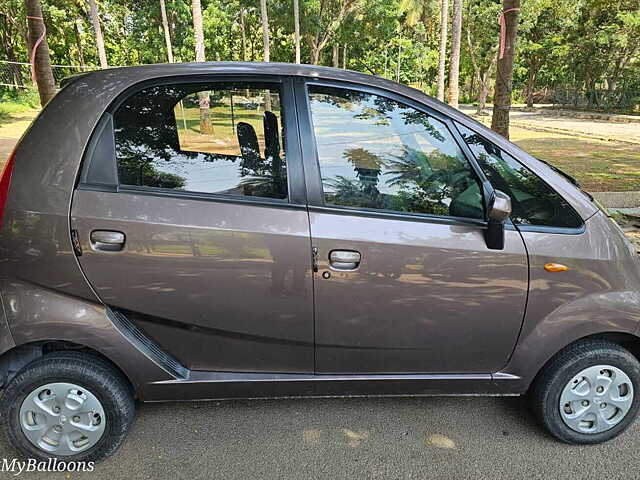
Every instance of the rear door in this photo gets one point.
(405, 282)
(192, 221)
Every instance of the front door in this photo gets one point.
(404, 281)
(202, 237)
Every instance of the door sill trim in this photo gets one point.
(202, 385)
(199, 376)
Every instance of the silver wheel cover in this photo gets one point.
(596, 399)
(62, 418)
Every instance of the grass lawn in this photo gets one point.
(222, 139)
(599, 166)
(15, 118)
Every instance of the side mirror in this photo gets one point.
(497, 214)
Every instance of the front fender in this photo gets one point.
(598, 313)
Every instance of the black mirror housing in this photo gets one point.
(497, 214)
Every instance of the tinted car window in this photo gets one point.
(377, 153)
(533, 201)
(220, 139)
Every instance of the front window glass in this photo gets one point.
(380, 154)
(533, 201)
(220, 138)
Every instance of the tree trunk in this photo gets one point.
(344, 56)
(531, 81)
(484, 89)
(76, 32)
(203, 97)
(335, 55)
(454, 65)
(483, 83)
(95, 21)
(265, 44)
(265, 29)
(198, 31)
(504, 75)
(482, 99)
(398, 63)
(243, 35)
(167, 34)
(315, 55)
(444, 20)
(296, 26)
(386, 60)
(41, 62)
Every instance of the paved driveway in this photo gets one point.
(422, 438)
(6, 146)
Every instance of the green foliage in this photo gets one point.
(20, 99)
(563, 45)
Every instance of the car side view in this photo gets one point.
(241, 230)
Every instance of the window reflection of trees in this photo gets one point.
(413, 180)
(533, 201)
(148, 144)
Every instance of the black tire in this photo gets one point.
(547, 388)
(86, 370)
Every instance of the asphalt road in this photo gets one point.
(435, 437)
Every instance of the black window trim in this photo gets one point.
(313, 177)
(296, 195)
(525, 228)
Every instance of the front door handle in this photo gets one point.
(107, 240)
(344, 259)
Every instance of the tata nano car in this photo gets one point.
(239, 230)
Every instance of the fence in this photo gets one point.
(18, 74)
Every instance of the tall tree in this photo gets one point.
(296, 27)
(481, 31)
(203, 97)
(94, 15)
(454, 65)
(243, 35)
(504, 75)
(198, 31)
(167, 34)
(325, 21)
(40, 61)
(265, 29)
(442, 51)
(76, 36)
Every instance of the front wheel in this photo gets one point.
(588, 393)
(67, 406)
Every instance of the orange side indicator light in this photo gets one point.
(555, 267)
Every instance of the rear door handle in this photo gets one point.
(107, 240)
(344, 259)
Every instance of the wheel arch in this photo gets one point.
(629, 341)
(16, 358)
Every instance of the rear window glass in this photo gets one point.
(533, 201)
(225, 139)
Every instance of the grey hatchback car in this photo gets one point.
(241, 230)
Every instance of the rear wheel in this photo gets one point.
(588, 393)
(69, 406)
